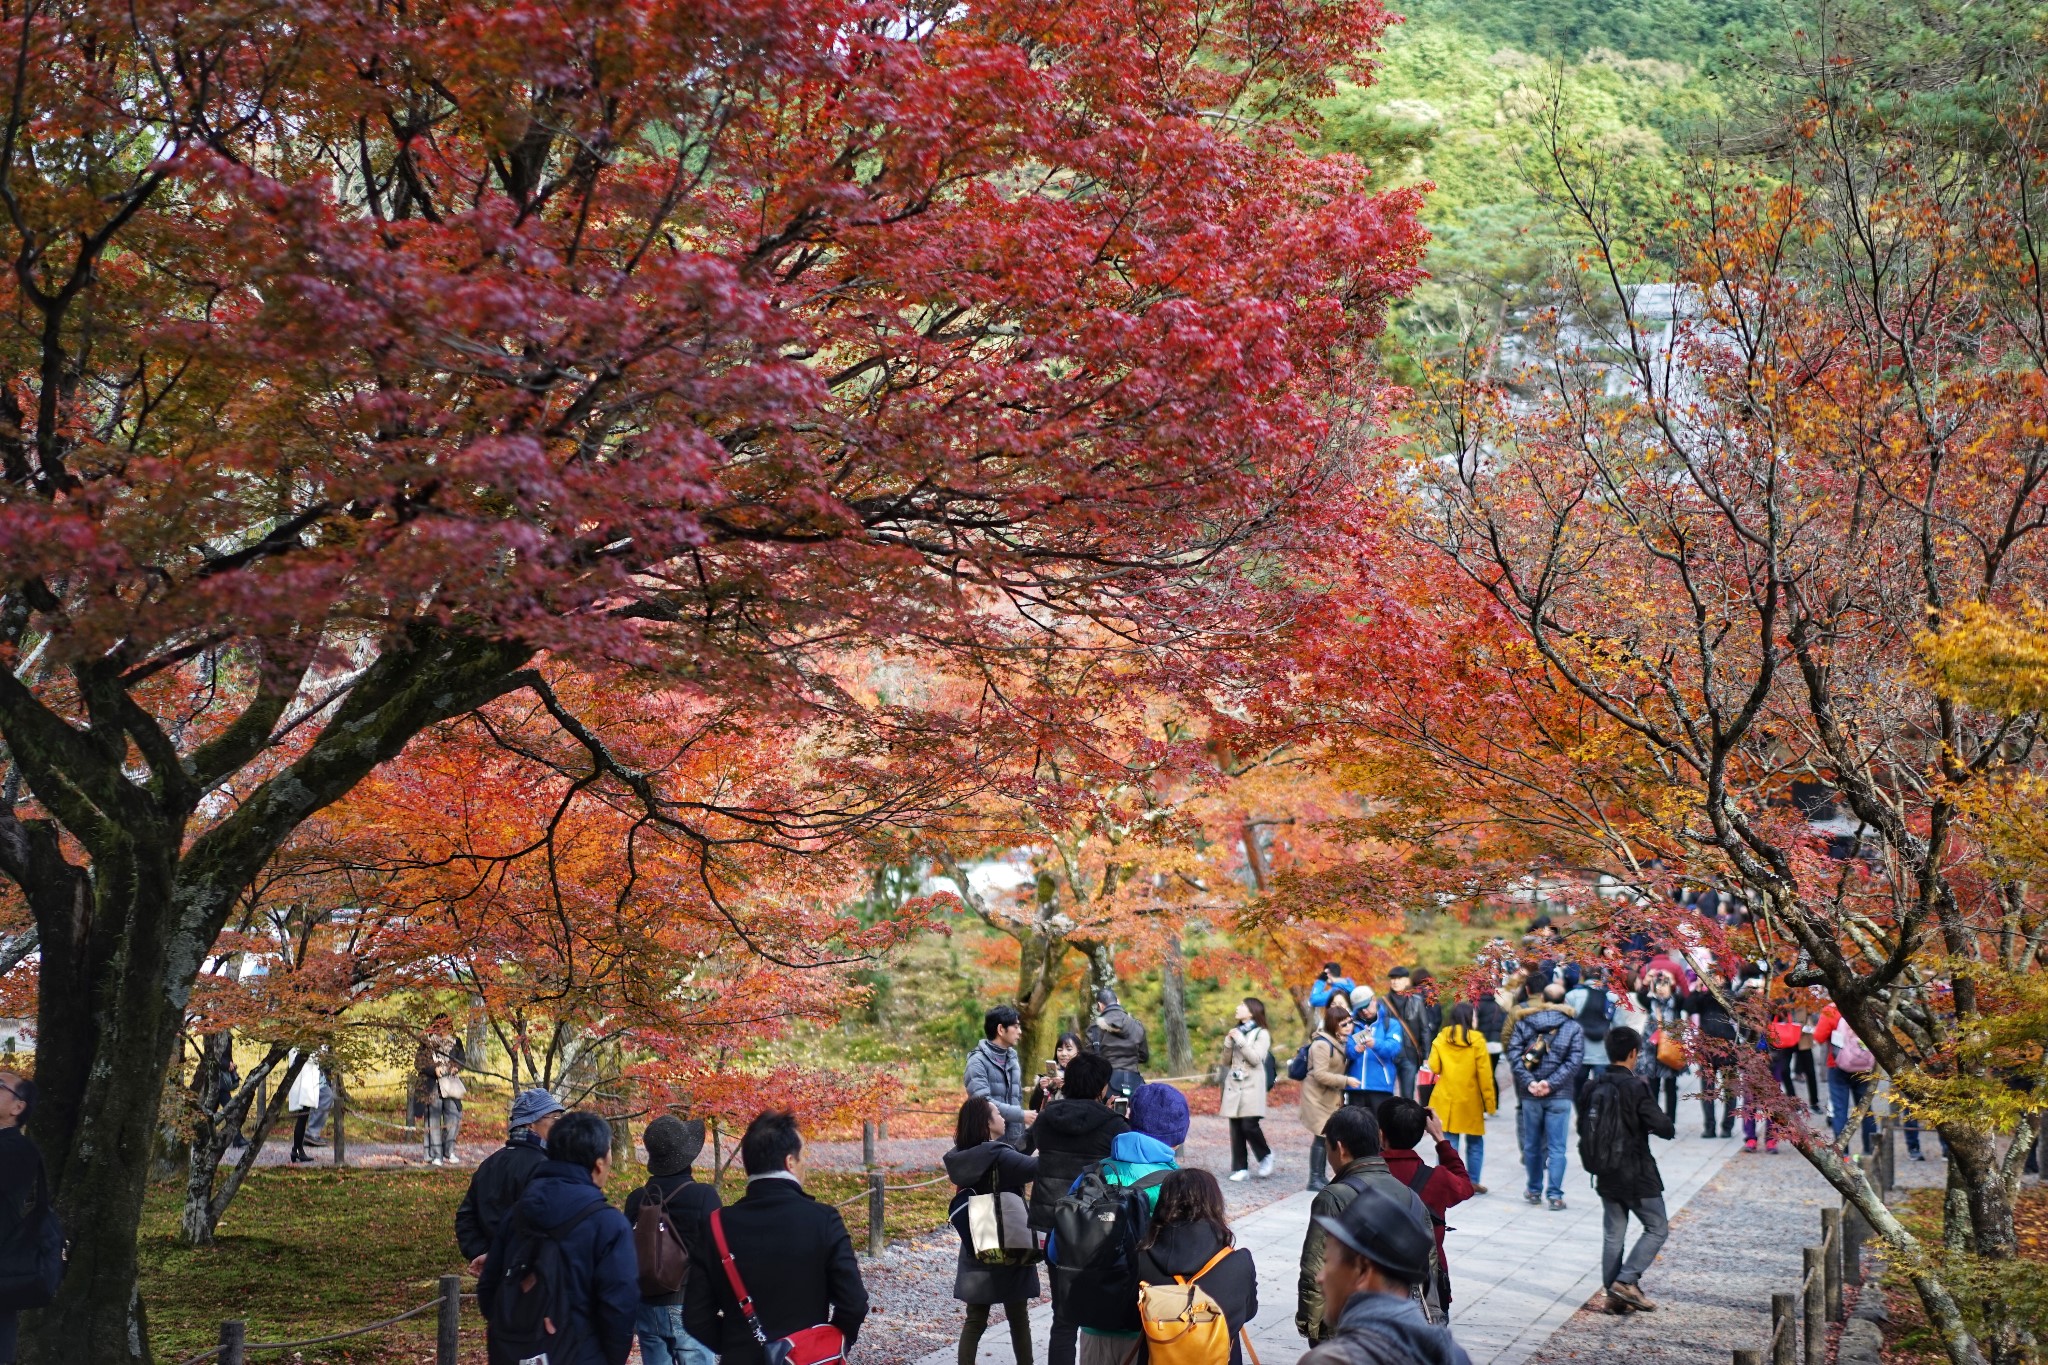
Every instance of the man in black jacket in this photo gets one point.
(31, 1239)
(504, 1174)
(1071, 1133)
(672, 1148)
(1626, 1176)
(588, 1317)
(791, 1253)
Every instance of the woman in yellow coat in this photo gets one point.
(1465, 1093)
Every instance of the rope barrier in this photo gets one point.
(429, 1306)
(869, 1192)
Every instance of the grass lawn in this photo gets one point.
(306, 1252)
(1907, 1338)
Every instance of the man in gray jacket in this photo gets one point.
(994, 1073)
(1117, 1036)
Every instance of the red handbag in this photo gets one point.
(820, 1345)
(1786, 1033)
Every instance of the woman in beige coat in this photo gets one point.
(1324, 1089)
(1245, 1050)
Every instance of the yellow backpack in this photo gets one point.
(1183, 1325)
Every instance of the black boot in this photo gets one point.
(1707, 1108)
(1316, 1179)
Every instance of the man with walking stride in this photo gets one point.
(1615, 1123)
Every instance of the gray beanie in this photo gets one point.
(672, 1144)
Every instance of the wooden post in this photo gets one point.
(875, 1212)
(1853, 1234)
(1748, 1358)
(233, 1333)
(1784, 1335)
(339, 1118)
(448, 1327)
(1831, 1260)
(1813, 1324)
(867, 1146)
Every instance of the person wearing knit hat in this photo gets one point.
(502, 1177)
(1105, 1303)
(673, 1146)
(1160, 1111)
(1377, 1250)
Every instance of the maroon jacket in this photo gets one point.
(1447, 1185)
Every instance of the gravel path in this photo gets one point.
(1737, 1242)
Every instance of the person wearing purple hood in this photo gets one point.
(1106, 1306)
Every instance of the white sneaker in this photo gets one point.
(433, 1161)
(1266, 1166)
(1240, 1175)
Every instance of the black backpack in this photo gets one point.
(1597, 1015)
(531, 1306)
(1093, 1222)
(1096, 1230)
(1606, 1139)
(1297, 1070)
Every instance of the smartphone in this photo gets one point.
(1052, 1068)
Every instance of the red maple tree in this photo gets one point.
(359, 362)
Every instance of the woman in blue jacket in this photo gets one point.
(1371, 1055)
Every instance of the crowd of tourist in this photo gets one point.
(1071, 1179)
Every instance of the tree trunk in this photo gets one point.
(207, 1193)
(1987, 1201)
(105, 1024)
(1955, 1209)
(1173, 1010)
(1038, 971)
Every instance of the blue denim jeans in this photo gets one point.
(1546, 1130)
(663, 1340)
(1845, 1092)
(1474, 1153)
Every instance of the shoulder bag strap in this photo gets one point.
(732, 1277)
(573, 1219)
(1207, 1266)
